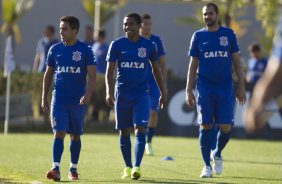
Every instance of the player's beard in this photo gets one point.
(210, 22)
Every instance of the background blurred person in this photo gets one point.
(146, 31)
(268, 86)
(89, 35)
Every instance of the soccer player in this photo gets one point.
(146, 31)
(256, 64)
(267, 87)
(132, 55)
(213, 51)
(70, 61)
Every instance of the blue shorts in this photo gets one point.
(154, 97)
(215, 105)
(68, 118)
(132, 112)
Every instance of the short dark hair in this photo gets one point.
(101, 33)
(51, 29)
(72, 20)
(145, 16)
(254, 47)
(136, 16)
(210, 4)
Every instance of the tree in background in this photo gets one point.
(108, 8)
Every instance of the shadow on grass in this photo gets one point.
(155, 180)
(9, 181)
(259, 179)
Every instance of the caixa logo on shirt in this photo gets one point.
(68, 69)
(142, 52)
(132, 65)
(76, 56)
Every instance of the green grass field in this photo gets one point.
(25, 158)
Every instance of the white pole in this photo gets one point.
(97, 15)
(7, 107)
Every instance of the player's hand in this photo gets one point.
(241, 96)
(110, 100)
(163, 101)
(45, 105)
(84, 100)
(190, 99)
(253, 119)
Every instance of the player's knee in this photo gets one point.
(59, 134)
(225, 128)
(140, 129)
(75, 137)
(124, 132)
(206, 126)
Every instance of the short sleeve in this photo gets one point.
(50, 61)
(193, 49)
(234, 43)
(277, 42)
(153, 54)
(90, 56)
(112, 54)
(161, 48)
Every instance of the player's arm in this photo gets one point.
(163, 68)
(191, 76)
(240, 93)
(47, 81)
(110, 83)
(268, 87)
(36, 62)
(91, 73)
(160, 81)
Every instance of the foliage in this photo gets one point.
(108, 8)
(12, 10)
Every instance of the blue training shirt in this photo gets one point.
(70, 70)
(277, 41)
(132, 65)
(160, 52)
(214, 51)
(256, 68)
(100, 52)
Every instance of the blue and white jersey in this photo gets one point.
(132, 65)
(277, 41)
(256, 68)
(214, 51)
(70, 70)
(160, 52)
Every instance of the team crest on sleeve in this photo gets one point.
(142, 52)
(76, 56)
(223, 41)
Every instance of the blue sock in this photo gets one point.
(205, 144)
(140, 141)
(75, 147)
(125, 146)
(222, 140)
(214, 133)
(150, 134)
(57, 151)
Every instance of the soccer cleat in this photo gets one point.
(73, 175)
(53, 175)
(149, 149)
(217, 165)
(126, 173)
(135, 173)
(206, 172)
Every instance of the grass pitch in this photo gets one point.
(25, 158)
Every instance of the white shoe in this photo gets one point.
(149, 149)
(217, 165)
(206, 172)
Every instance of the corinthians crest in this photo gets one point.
(142, 52)
(223, 41)
(76, 56)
